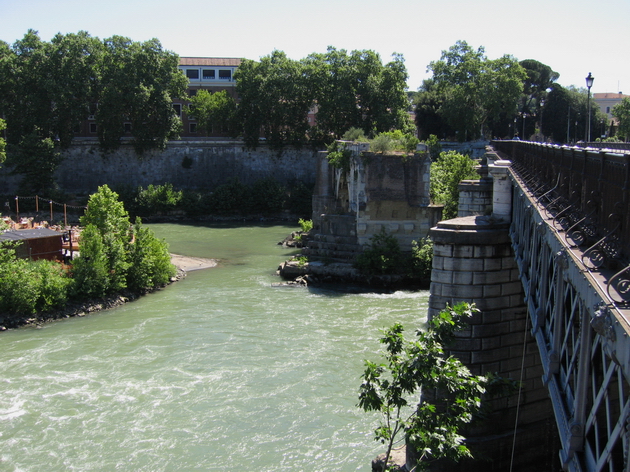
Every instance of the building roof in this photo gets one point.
(609, 96)
(210, 61)
(23, 234)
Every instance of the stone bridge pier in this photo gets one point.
(474, 262)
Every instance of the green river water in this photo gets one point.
(219, 372)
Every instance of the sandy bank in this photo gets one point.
(188, 264)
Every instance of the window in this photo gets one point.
(127, 127)
(192, 73)
(178, 109)
(225, 74)
(192, 127)
(192, 92)
(92, 127)
(607, 109)
(208, 74)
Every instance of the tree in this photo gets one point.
(113, 229)
(214, 112)
(35, 158)
(150, 261)
(275, 100)
(446, 174)
(621, 111)
(355, 90)
(3, 143)
(539, 81)
(48, 86)
(475, 89)
(421, 392)
(114, 255)
(566, 114)
(429, 121)
(138, 84)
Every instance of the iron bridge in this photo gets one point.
(571, 237)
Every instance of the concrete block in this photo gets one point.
(464, 264)
(490, 291)
(490, 304)
(489, 278)
(438, 262)
(461, 278)
(484, 251)
(491, 343)
(442, 276)
(490, 355)
(496, 329)
(442, 250)
(492, 264)
(463, 251)
(462, 291)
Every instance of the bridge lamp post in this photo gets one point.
(589, 84)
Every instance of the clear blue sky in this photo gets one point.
(574, 37)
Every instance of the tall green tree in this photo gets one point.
(355, 90)
(48, 86)
(621, 111)
(566, 114)
(475, 89)
(113, 230)
(429, 121)
(275, 100)
(214, 112)
(138, 84)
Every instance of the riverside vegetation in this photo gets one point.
(115, 257)
(426, 395)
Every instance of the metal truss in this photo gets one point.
(581, 330)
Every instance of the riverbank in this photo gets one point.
(184, 264)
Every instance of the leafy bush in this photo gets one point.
(305, 225)
(91, 269)
(446, 174)
(382, 256)
(431, 426)
(382, 143)
(435, 147)
(355, 134)
(28, 287)
(157, 199)
(150, 260)
(390, 141)
(267, 196)
(422, 258)
(231, 198)
(339, 156)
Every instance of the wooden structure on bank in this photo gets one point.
(36, 243)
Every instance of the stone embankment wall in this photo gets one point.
(185, 164)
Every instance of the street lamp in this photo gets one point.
(589, 84)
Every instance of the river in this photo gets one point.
(221, 371)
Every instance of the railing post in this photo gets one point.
(501, 191)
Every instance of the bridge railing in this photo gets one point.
(587, 193)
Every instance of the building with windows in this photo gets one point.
(606, 102)
(205, 73)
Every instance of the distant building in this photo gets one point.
(205, 73)
(606, 102)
